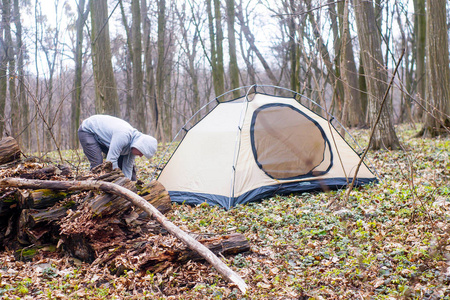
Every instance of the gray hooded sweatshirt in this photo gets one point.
(119, 136)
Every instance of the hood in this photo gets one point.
(146, 144)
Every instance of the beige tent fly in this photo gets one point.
(257, 146)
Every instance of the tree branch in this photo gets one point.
(138, 201)
(349, 189)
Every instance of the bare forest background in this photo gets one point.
(155, 63)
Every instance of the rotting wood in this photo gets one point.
(9, 150)
(223, 245)
(140, 202)
(44, 198)
(157, 195)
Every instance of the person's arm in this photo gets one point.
(127, 165)
(118, 142)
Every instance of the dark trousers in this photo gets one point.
(94, 151)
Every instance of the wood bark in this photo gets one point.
(76, 93)
(375, 75)
(138, 201)
(14, 117)
(106, 97)
(233, 65)
(138, 77)
(216, 40)
(220, 84)
(3, 77)
(420, 28)
(292, 46)
(437, 120)
(9, 150)
(22, 99)
(130, 108)
(223, 245)
(352, 111)
(160, 74)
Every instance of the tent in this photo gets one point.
(257, 146)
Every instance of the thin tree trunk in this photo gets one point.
(160, 69)
(248, 59)
(295, 84)
(130, 107)
(219, 47)
(216, 38)
(233, 66)
(149, 67)
(138, 77)
(337, 85)
(11, 70)
(22, 98)
(352, 111)
(76, 94)
(3, 77)
(251, 40)
(420, 27)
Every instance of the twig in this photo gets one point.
(349, 189)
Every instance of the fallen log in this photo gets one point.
(45, 198)
(138, 201)
(223, 245)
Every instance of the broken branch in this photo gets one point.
(138, 201)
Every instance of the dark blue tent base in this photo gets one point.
(265, 192)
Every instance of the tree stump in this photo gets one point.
(9, 150)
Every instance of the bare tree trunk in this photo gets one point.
(216, 38)
(138, 77)
(219, 48)
(130, 108)
(106, 97)
(405, 102)
(14, 118)
(251, 40)
(3, 77)
(352, 111)
(190, 50)
(376, 74)
(160, 69)
(36, 61)
(420, 28)
(437, 121)
(149, 67)
(22, 98)
(337, 85)
(295, 84)
(76, 94)
(248, 59)
(234, 69)
(362, 87)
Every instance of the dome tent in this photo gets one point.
(257, 146)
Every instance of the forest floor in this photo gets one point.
(390, 240)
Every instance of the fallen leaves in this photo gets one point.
(391, 240)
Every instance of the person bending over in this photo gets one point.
(116, 138)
